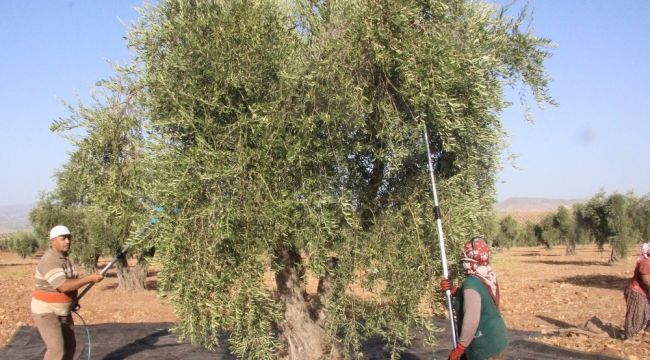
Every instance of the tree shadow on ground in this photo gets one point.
(576, 263)
(152, 342)
(608, 282)
(151, 284)
(109, 287)
(559, 323)
(615, 332)
(535, 254)
(146, 343)
(593, 325)
(14, 264)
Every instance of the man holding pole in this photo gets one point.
(57, 282)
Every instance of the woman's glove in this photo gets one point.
(457, 352)
(446, 284)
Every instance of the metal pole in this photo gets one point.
(102, 273)
(152, 221)
(441, 239)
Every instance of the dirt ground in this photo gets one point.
(576, 302)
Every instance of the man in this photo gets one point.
(57, 282)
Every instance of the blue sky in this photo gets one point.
(597, 138)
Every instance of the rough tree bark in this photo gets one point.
(302, 331)
(570, 246)
(614, 256)
(540, 238)
(131, 278)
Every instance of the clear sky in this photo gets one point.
(598, 138)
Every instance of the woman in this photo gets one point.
(480, 325)
(637, 295)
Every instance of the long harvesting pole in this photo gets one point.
(441, 239)
(119, 255)
(152, 221)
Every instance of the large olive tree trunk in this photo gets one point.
(302, 331)
(132, 278)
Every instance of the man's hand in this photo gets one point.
(95, 278)
(88, 279)
(74, 284)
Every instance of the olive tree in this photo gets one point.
(509, 232)
(289, 137)
(581, 233)
(22, 243)
(619, 225)
(594, 219)
(563, 223)
(609, 219)
(640, 216)
(104, 175)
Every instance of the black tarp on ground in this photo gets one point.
(154, 341)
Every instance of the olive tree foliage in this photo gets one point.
(563, 223)
(49, 212)
(103, 178)
(528, 234)
(289, 137)
(489, 226)
(62, 207)
(640, 216)
(545, 233)
(620, 226)
(509, 232)
(618, 219)
(22, 243)
(609, 219)
(580, 230)
(554, 228)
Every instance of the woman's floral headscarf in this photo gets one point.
(476, 262)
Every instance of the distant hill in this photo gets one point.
(534, 204)
(531, 209)
(15, 217)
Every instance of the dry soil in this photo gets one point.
(575, 301)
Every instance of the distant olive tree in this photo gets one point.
(509, 232)
(564, 225)
(609, 219)
(21, 243)
(49, 211)
(490, 227)
(594, 219)
(105, 174)
(527, 235)
(619, 225)
(640, 216)
(581, 234)
(546, 234)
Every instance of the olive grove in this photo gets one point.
(289, 137)
(620, 220)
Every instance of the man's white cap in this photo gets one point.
(58, 231)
